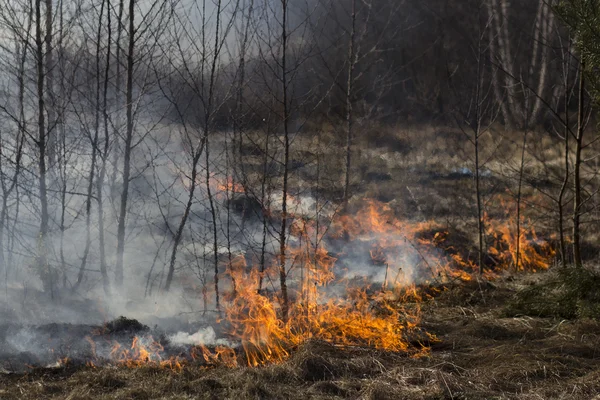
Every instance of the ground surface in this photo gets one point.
(482, 354)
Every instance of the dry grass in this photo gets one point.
(481, 355)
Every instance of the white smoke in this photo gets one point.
(205, 336)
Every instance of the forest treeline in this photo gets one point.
(414, 60)
(121, 119)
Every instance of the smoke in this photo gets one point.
(205, 336)
(158, 193)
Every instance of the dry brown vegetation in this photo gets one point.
(487, 348)
(347, 245)
(482, 354)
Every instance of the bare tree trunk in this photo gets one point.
(203, 146)
(50, 106)
(229, 192)
(207, 130)
(105, 154)
(546, 16)
(237, 143)
(286, 161)
(42, 261)
(116, 150)
(264, 201)
(514, 111)
(7, 191)
(126, 150)
(565, 184)
(62, 166)
(185, 216)
(480, 222)
(213, 215)
(519, 193)
(349, 108)
(477, 136)
(12, 236)
(239, 105)
(561, 206)
(94, 144)
(577, 171)
(499, 35)
(61, 146)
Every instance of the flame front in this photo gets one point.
(378, 314)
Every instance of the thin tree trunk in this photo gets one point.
(565, 184)
(42, 249)
(239, 106)
(12, 236)
(102, 174)
(94, 143)
(503, 88)
(238, 131)
(63, 207)
(477, 136)
(265, 221)
(547, 18)
(519, 192)
(20, 142)
(127, 150)
(204, 145)
(286, 160)
(116, 152)
(480, 223)
(207, 128)
(61, 146)
(229, 193)
(349, 108)
(213, 215)
(51, 139)
(184, 218)
(577, 171)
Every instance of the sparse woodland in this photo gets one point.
(317, 188)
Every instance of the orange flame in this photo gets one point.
(230, 186)
(381, 318)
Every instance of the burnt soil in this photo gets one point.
(481, 354)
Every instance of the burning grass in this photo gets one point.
(404, 263)
(404, 321)
(481, 354)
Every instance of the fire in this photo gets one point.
(221, 355)
(362, 317)
(533, 254)
(230, 186)
(254, 320)
(401, 247)
(218, 184)
(365, 321)
(358, 320)
(325, 305)
(143, 351)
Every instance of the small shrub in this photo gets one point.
(571, 293)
